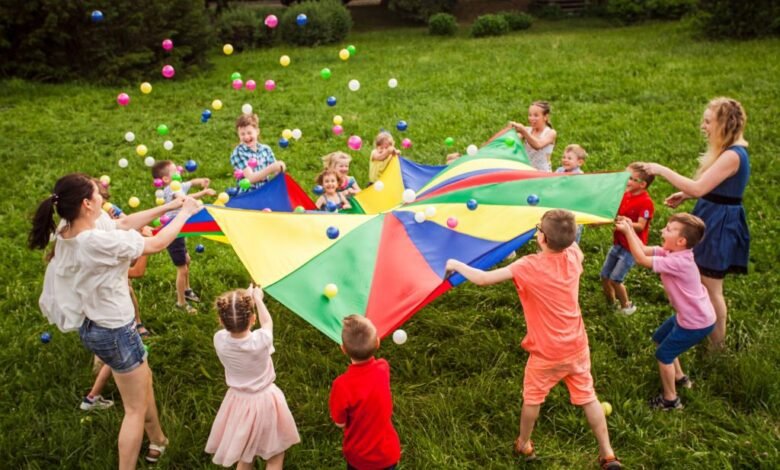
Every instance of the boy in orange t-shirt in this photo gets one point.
(548, 286)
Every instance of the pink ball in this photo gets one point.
(267, 210)
(238, 174)
(270, 85)
(167, 44)
(251, 85)
(406, 143)
(338, 129)
(355, 142)
(158, 183)
(165, 219)
(123, 99)
(452, 222)
(180, 169)
(168, 71)
(237, 84)
(252, 163)
(271, 21)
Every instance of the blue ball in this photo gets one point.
(331, 101)
(206, 114)
(332, 232)
(283, 143)
(191, 165)
(204, 120)
(472, 204)
(45, 337)
(301, 20)
(533, 199)
(232, 191)
(200, 248)
(117, 209)
(97, 16)
(331, 206)
(318, 190)
(401, 126)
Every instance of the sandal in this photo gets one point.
(528, 452)
(155, 452)
(610, 463)
(142, 331)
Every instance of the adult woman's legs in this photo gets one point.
(133, 387)
(715, 290)
(152, 420)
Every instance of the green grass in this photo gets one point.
(624, 94)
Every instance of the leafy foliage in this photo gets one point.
(421, 10)
(489, 25)
(737, 19)
(517, 20)
(328, 22)
(442, 24)
(243, 27)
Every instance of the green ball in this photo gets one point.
(509, 142)
(449, 141)
(176, 177)
(244, 184)
(146, 348)
(162, 129)
(156, 223)
(235, 76)
(352, 50)
(299, 209)
(325, 73)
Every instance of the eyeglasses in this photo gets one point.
(539, 228)
(635, 180)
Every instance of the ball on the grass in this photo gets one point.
(45, 337)
(344, 54)
(235, 75)
(297, 134)
(270, 85)
(176, 177)
(355, 142)
(287, 134)
(449, 141)
(284, 143)
(330, 290)
(337, 130)
(191, 165)
(216, 104)
(351, 49)
(331, 101)
(149, 161)
(301, 19)
(532, 199)
(129, 136)
(399, 337)
(607, 408)
(406, 143)
(392, 83)
(167, 44)
(200, 248)
(354, 85)
(158, 182)
(146, 88)
(332, 232)
(123, 99)
(133, 202)
(122, 163)
(162, 129)
(325, 73)
(227, 49)
(338, 120)
(251, 85)
(246, 108)
(402, 125)
(105, 180)
(141, 150)
(271, 21)
(168, 71)
(237, 84)
(96, 16)
(168, 145)
(206, 114)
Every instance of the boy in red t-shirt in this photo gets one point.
(638, 207)
(361, 402)
(548, 286)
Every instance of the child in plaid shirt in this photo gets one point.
(254, 159)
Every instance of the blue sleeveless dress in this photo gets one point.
(726, 244)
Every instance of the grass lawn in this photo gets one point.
(625, 94)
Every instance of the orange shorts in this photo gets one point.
(542, 375)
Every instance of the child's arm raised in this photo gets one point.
(168, 233)
(535, 142)
(642, 254)
(478, 276)
(137, 220)
(262, 175)
(263, 315)
(203, 192)
(200, 182)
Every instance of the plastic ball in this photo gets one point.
(332, 232)
(223, 197)
(133, 202)
(206, 114)
(344, 54)
(509, 142)
(105, 180)
(96, 16)
(355, 142)
(325, 73)
(167, 44)
(123, 99)
(190, 165)
(399, 337)
(318, 190)
(246, 108)
(146, 88)
(251, 85)
(216, 104)
(392, 83)
(244, 184)
(199, 248)
(271, 21)
(419, 217)
(159, 201)
(354, 85)
(156, 223)
(237, 84)
(449, 141)
(158, 183)
(337, 129)
(235, 76)
(379, 185)
(164, 219)
(238, 174)
(533, 199)
(607, 408)
(107, 206)
(408, 196)
(168, 145)
(299, 209)
(430, 212)
(141, 150)
(149, 161)
(162, 129)
(287, 134)
(227, 49)
(284, 60)
(129, 136)
(351, 49)
(406, 143)
(472, 150)
(175, 186)
(401, 126)
(284, 143)
(232, 191)
(168, 71)
(338, 120)
(45, 337)
(251, 163)
(330, 291)
(122, 163)
(297, 134)
(267, 209)
(177, 176)
(331, 206)
(270, 85)
(452, 222)
(331, 101)
(472, 204)
(301, 19)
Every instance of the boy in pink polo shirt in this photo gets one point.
(695, 317)
(548, 286)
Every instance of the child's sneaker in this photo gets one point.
(684, 382)
(610, 463)
(187, 308)
(627, 310)
(661, 403)
(190, 295)
(95, 403)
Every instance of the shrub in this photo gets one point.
(243, 27)
(489, 25)
(442, 24)
(547, 11)
(671, 9)
(627, 11)
(55, 40)
(421, 10)
(517, 20)
(329, 22)
(739, 19)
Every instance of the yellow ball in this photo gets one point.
(227, 49)
(159, 201)
(133, 202)
(141, 150)
(284, 60)
(107, 206)
(607, 408)
(175, 186)
(330, 291)
(337, 120)
(146, 88)
(344, 54)
(223, 198)
(216, 105)
(105, 179)
(219, 203)
(287, 134)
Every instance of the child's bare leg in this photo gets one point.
(100, 381)
(678, 372)
(667, 380)
(248, 466)
(187, 279)
(609, 292)
(621, 293)
(528, 418)
(598, 423)
(715, 291)
(275, 463)
(182, 280)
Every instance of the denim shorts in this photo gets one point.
(619, 261)
(673, 340)
(120, 348)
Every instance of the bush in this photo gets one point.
(489, 25)
(671, 9)
(329, 22)
(517, 20)
(243, 27)
(547, 11)
(442, 24)
(55, 40)
(739, 19)
(632, 11)
(421, 10)
(627, 11)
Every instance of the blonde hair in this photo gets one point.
(729, 120)
(577, 150)
(330, 160)
(246, 120)
(382, 137)
(358, 336)
(235, 309)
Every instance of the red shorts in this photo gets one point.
(542, 375)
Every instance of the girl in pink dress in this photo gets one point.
(254, 419)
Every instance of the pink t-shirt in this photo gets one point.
(548, 285)
(683, 286)
(247, 361)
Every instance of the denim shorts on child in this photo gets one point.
(120, 348)
(673, 340)
(178, 251)
(617, 264)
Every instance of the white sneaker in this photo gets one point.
(628, 310)
(96, 403)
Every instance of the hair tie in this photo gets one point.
(55, 197)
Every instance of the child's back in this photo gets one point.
(247, 361)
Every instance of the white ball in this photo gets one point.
(399, 336)
(246, 108)
(408, 196)
(149, 161)
(159, 194)
(296, 134)
(122, 163)
(354, 85)
(472, 150)
(168, 145)
(419, 217)
(430, 211)
(129, 136)
(379, 185)
(392, 83)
